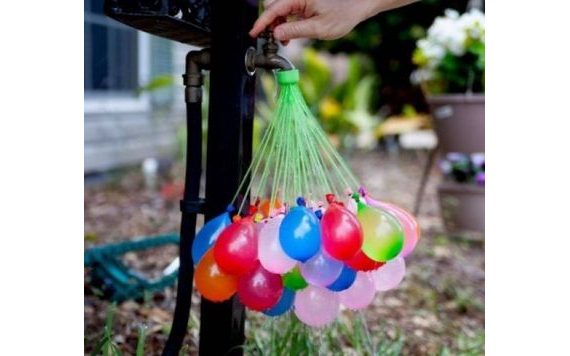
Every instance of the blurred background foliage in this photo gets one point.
(355, 83)
(389, 40)
(372, 84)
(342, 105)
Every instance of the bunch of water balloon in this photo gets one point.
(313, 239)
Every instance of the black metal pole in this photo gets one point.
(423, 182)
(190, 206)
(230, 128)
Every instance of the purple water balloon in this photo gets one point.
(321, 269)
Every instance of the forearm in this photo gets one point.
(319, 19)
(375, 7)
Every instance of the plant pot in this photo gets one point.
(459, 121)
(462, 206)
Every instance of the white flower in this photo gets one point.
(456, 43)
(446, 32)
(434, 52)
(452, 14)
(422, 75)
(473, 24)
(449, 34)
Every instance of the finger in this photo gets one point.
(278, 21)
(297, 29)
(270, 16)
(276, 9)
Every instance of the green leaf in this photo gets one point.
(159, 82)
(141, 341)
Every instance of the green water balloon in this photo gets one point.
(294, 280)
(383, 235)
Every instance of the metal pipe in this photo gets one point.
(191, 205)
(196, 61)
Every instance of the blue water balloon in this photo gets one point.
(283, 305)
(344, 281)
(208, 235)
(300, 234)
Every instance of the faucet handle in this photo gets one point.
(267, 34)
(270, 47)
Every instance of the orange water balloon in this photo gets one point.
(211, 282)
(264, 207)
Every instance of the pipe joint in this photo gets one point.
(196, 61)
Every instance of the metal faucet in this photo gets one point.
(268, 58)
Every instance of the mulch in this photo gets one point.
(439, 306)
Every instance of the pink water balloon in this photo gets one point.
(321, 269)
(271, 254)
(406, 220)
(360, 294)
(316, 306)
(390, 275)
(351, 206)
(259, 226)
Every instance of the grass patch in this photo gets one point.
(288, 336)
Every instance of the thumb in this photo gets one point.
(297, 29)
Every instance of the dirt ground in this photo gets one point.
(439, 308)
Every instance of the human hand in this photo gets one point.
(318, 19)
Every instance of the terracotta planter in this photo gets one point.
(462, 206)
(459, 121)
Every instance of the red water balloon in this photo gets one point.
(342, 235)
(260, 289)
(361, 262)
(235, 250)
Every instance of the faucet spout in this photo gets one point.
(268, 58)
